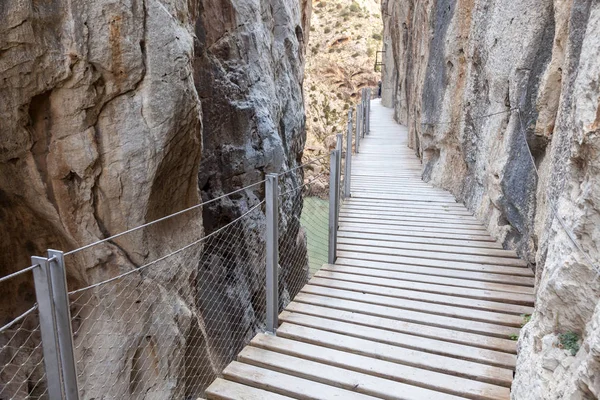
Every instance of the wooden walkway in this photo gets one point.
(421, 303)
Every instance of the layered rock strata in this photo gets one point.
(492, 92)
(102, 106)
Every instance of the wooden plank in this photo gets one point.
(459, 265)
(334, 376)
(433, 346)
(287, 385)
(407, 203)
(414, 377)
(476, 276)
(221, 389)
(384, 317)
(408, 210)
(329, 286)
(407, 238)
(479, 294)
(398, 224)
(413, 358)
(416, 231)
(434, 255)
(415, 217)
(433, 279)
(357, 240)
(403, 314)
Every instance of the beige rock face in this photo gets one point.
(101, 131)
(481, 86)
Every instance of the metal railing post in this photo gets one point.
(43, 293)
(363, 113)
(367, 119)
(333, 205)
(272, 281)
(358, 119)
(348, 165)
(58, 276)
(339, 148)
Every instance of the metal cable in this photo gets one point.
(470, 119)
(303, 165)
(19, 272)
(303, 185)
(168, 255)
(570, 235)
(19, 318)
(161, 219)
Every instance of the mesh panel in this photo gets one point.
(22, 372)
(169, 327)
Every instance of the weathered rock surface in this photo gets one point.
(102, 105)
(482, 86)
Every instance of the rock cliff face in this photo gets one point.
(102, 106)
(482, 85)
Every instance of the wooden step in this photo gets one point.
(433, 279)
(287, 385)
(415, 378)
(408, 238)
(331, 285)
(221, 389)
(471, 275)
(434, 255)
(391, 319)
(433, 346)
(458, 323)
(426, 262)
(479, 294)
(343, 378)
(413, 358)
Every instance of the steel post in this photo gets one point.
(272, 281)
(348, 165)
(333, 203)
(56, 264)
(43, 293)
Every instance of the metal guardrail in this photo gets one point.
(169, 325)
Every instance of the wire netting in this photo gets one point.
(167, 328)
(22, 370)
(303, 225)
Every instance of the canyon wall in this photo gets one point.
(116, 113)
(492, 92)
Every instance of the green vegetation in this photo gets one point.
(376, 36)
(514, 337)
(322, 4)
(313, 87)
(315, 220)
(526, 319)
(370, 52)
(327, 30)
(570, 341)
(354, 7)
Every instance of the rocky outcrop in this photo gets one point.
(490, 93)
(102, 106)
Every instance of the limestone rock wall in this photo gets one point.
(102, 107)
(481, 86)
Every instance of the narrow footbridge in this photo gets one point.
(421, 303)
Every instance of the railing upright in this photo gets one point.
(55, 325)
(348, 165)
(272, 280)
(358, 118)
(367, 119)
(333, 204)
(58, 275)
(43, 294)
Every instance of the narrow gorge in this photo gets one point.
(502, 102)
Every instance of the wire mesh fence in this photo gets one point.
(22, 372)
(167, 328)
(159, 310)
